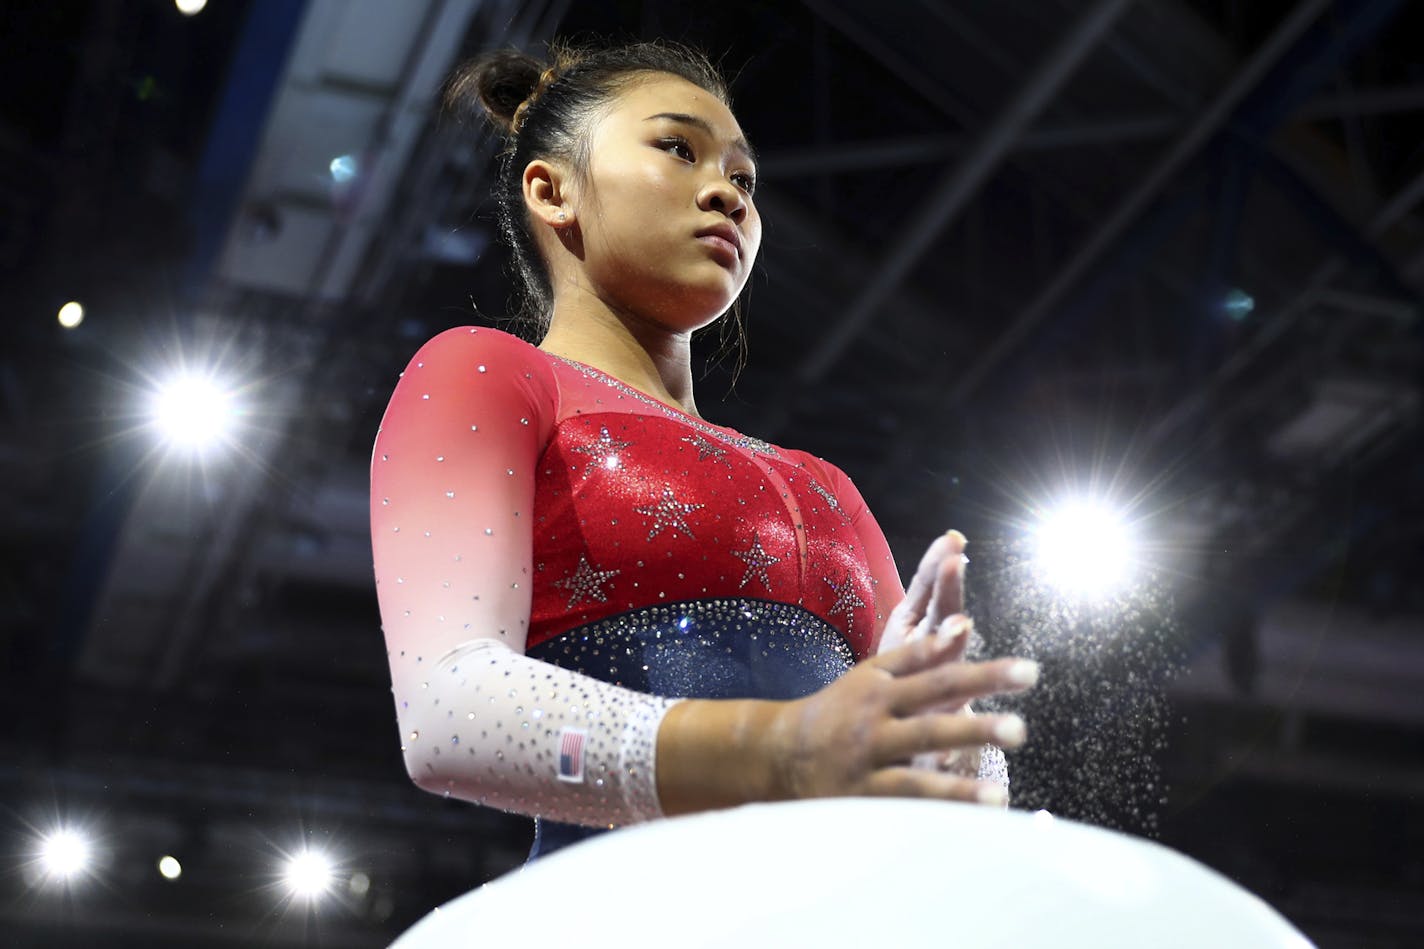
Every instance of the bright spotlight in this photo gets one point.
(169, 867)
(308, 874)
(193, 411)
(190, 7)
(71, 314)
(1083, 548)
(65, 854)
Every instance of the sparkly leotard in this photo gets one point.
(559, 557)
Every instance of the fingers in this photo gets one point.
(959, 682)
(923, 584)
(961, 761)
(935, 647)
(909, 782)
(925, 652)
(901, 741)
(947, 597)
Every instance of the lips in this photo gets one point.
(722, 235)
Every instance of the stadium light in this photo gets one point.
(193, 411)
(343, 168)
(169, 867)
(1083, 548)
(71, 314)
(65, 854)
(308, 874)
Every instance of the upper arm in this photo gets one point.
(452, 491)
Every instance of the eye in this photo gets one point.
(679, 147)
(746, 181)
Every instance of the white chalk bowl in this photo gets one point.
(859, 872)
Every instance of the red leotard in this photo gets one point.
(517, 495)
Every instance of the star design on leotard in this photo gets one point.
(602, 451)
(847, 601)
(757, 560)
(706, 449)
(668, 511)
(831, 499)
(585, 582)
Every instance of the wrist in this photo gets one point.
(718, 753)
(768, 741)
(779, 750)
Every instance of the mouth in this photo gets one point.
(723, 238)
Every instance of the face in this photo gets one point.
(665, 216)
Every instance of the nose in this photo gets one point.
(722, 196)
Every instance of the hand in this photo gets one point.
(933, 599)
(933, 605)
(859, 735)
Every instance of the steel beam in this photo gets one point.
(1282, 320)
(1207, 124)
(961, 184)
(929, 149)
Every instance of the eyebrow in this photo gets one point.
(702, 124)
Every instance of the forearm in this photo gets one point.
(491, 726)
(717, 753)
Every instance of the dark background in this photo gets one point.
(1168, 252)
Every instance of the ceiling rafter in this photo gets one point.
(952, 194)
(931, 149)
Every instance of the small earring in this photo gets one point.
(563, 217)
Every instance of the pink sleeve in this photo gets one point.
(452, 493)
(452, 489)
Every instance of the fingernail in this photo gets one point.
(992, 794)
(1010, 732)
(1024, 672)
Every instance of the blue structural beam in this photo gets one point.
(1321, 51)
(236, 134)
(1240, 147)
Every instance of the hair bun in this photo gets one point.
(493, 85)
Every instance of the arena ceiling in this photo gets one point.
(1169, 251)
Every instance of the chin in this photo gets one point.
(686, 310)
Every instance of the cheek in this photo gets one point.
(752, 230)
(655, 200)
(636, 215)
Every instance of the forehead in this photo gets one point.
(658, 93)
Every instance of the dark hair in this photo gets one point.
(544, 110)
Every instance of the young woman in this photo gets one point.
(600, 607)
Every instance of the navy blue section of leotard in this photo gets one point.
(725, 648)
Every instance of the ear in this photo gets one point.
(546, 193)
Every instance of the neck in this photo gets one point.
(632, 350)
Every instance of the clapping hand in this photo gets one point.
(934, 606)
(934, 600)
(898, 723)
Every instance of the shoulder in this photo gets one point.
(832, 478)
(461, 344)
(819, 468)
(470, 367)
(475, 354)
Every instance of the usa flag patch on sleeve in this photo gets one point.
(571, 742)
